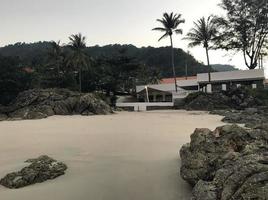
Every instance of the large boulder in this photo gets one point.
(228, 163)
(40, 169)
(38, 104)
(204, 101)
(236, 98)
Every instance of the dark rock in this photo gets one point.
(38, 104)
(251, 117)
(26, 113)
(3, 117)
(237, 98)
(228, 163)
(40, 169)
(203, 101)
(251, 111)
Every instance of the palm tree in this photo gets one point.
(203, 33)
(56, 56)
(170, 23)
(78, 58)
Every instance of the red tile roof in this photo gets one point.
(28, 70)
(171, 80)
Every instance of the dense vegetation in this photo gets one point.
(112, 68)
(36, 54)
(244, 28)
(223, 68)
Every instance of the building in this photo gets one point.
(166, 92)
(225, 80)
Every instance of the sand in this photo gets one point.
(125, 156)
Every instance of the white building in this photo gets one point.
(166, 92)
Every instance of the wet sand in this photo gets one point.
(125, 156)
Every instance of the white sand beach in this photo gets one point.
(125, 156)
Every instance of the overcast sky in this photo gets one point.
(104, 22)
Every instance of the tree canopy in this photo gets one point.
(244, 28)
(203, 33)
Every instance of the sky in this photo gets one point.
(106, 22)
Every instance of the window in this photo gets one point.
(254, 86)
(224, 87)
(168, 98)
(209, 88)
(159, 98)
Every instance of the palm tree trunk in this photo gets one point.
(173, 64)
(80, 80)
(58, 73)
(209, 68)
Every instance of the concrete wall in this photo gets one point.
(143, 106)
(185, 83)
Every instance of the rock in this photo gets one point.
(250, 116)
(38, 104)
(3, 117)
(27, 113)
(40, 169)
(203, 101)
(237, 98)
(251, 111)
(228, 163)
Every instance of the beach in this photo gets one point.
(123, 156)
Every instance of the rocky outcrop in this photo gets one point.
(238, 98)
(38, 104)
(228, 163)
(40, 169)
(3, 117)
(251, 117)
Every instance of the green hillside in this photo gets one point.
(35, 54)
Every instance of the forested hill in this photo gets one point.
(223, 68)
(35, 54)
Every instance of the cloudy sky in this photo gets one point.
(104, 22)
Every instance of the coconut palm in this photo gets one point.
(78, 57)
(55, 54)
(203, 33)
(170, 23)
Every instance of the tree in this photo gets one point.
(203, 33)
(78, 57)
(13, 79)
(117, 74)
(147, 75)
(170, 24)
(244, 28)
(55, 59)
(56, 55)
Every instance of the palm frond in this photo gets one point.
(170, 23)
(159, 29)
(178, 31)
(203, 32)
(163, 36)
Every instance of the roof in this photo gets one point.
(28, 70)
(171, 80)
(254, 74)
(159, 87)
(153, 89)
